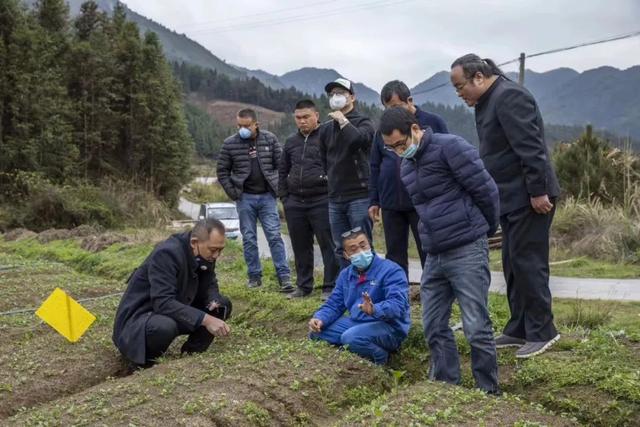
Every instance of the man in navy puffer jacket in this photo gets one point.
(458, 205)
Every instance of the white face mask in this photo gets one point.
(337, 102)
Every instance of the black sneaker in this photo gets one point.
(326, 294)
(285, 284)
(298, 293)
(533, 348)
(254, 282)
(504, 341)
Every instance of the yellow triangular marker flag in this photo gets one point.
(65, 315)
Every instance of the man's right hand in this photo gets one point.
(315, 325)
(374, 213)
(215, 326)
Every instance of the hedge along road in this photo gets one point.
(561, 287)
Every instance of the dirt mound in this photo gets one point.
(54, 234)
(18, 234)
(85, 230)
(63, 234)
(96, 243)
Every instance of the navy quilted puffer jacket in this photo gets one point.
(455, 197)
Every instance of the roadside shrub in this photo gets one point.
(591, 169)
(34, 202)
(592, 229)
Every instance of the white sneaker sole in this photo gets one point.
(542, 350)
(509, 345)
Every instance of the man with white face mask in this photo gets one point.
(345, 144)
(375, 291)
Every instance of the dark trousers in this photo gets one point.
(525, 260)
(396, 226)
(161, 330)
(304, 222)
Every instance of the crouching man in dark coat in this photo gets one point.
(174, 292)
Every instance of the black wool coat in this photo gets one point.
(169, 282)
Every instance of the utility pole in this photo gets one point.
(521, 74)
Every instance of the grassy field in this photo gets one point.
(267, 373)
(563, 263)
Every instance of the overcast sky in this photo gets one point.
(373, 41)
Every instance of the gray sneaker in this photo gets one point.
(254, 282)
(534, 348)
(285, 284)
(298, 293)
(504, 341)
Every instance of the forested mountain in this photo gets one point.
(605, 97)
(312, 80)
(88, 99)
(177, 47)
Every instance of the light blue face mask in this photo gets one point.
(362, 260)
(244, 133)
(409, 152)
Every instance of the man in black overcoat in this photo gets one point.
(174, 292)
(514, 151)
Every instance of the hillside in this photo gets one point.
(224, 112)
(312, 80)
(605, 97)
(177, 47)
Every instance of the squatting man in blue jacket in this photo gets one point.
(458, 205)
(375, 291)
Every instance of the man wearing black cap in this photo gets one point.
(345, 144)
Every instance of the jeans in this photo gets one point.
(345, 216)
(461, 273)
(161, 330)
(371, 340)
(396, 226)
(263, 207)
(305, 221)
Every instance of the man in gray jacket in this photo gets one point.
(248, 172)
(514, 151)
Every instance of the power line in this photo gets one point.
(272, 12)
(298, 18)
(562, 49)
(546, 52)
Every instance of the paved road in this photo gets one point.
(561, 287)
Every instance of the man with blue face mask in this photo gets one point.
(458, 205)
(386, 191)
(375, 291)
(248, 172)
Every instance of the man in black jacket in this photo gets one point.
(515, 153)
(174, 292)
(248, 172)
(303, 190)
(345, 144)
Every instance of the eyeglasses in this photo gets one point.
(459, 86)
(350, 232)
(394, 147)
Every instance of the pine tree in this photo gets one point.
(168, 147)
